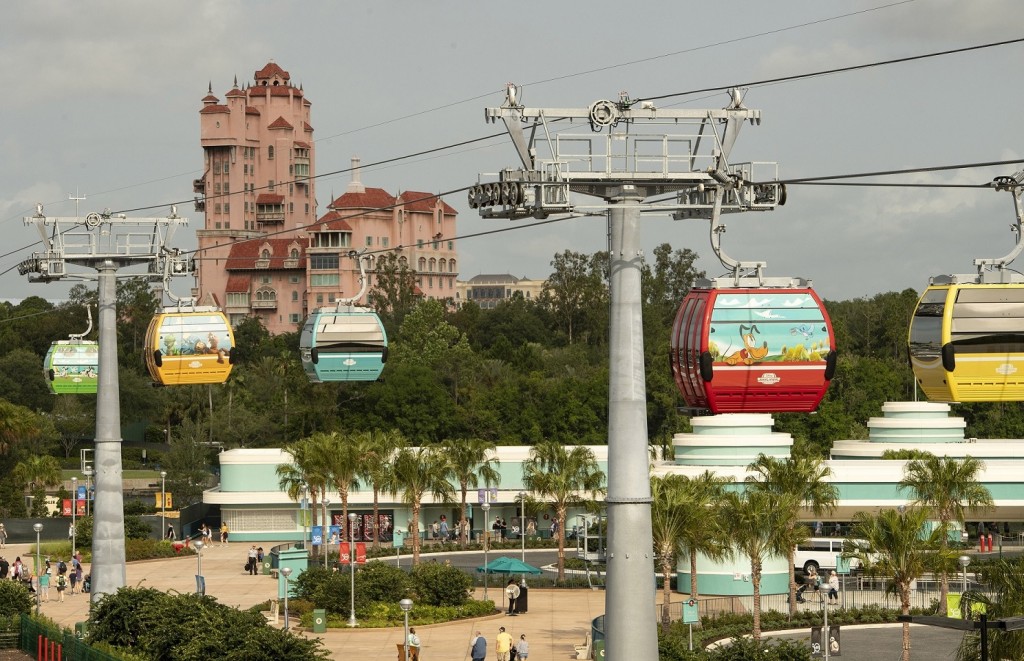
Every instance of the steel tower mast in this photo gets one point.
(632, 151)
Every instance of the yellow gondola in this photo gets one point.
(967, 335)
(189, 346)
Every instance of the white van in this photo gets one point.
(820, 553)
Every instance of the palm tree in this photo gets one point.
(895, 545)
(344, 463)
(803, 478)
(470, 461)
(308, 470)
(949, 487)
(16, 424)
(37, 472)
(669, 508)
(757, 523)
(1005, 598)
(377, 449)
(417, 472)
(703, 534)
(558, 474)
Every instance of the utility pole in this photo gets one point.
(622, 163)
(103, 243)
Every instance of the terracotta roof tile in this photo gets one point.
(209, 98)
(269, 70)
(306, 127)
(303, 145)
(250, 110)
(208, 110)
(235, 92)
(238, 282)
(417, 201)
(280, 123)
(243, 256)
(372, 198)
(332, 220)
(269, 198)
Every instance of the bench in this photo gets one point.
(584, 651)
(272, 614)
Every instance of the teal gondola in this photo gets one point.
(345, 343)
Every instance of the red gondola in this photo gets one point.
(752, 349)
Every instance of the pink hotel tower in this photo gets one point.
(262, 250)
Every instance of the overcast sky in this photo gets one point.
(102, 98)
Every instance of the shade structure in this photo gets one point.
(507, 565)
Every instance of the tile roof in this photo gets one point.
(250, 110)
(331, 221)
(235, 92)
(243, 255)
(417, 201)
(306, 127)
(269, 198)
(209, 98)
(269, 70)
(208, 110)
(280, 123)
(371, 198)
(274, 90)
(238, 282)
(303, 145)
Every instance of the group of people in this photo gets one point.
(813, 581)
(505, 646)
(70, 574)
(441, 530)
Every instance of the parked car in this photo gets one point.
(820, 553)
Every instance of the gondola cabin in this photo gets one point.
(72, 366)
(343, 344)
(189, 346)
(967, 341)
(752, 350)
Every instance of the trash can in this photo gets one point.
(81, 630)
(521, 600)
(319, 620)
(265, 568)
(599, 649)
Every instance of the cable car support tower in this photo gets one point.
(105, 243)
(624, 153)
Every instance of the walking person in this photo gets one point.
(478, 648)
(253, 565)
(3, 536)
(503, 645)
(414, 645)
(833, 588)
(522, 648)
(223, 534)
(76, 572)
(62, 584)
(170, 532)
(44, 582)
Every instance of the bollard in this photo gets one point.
(40, 654)
(990, 542)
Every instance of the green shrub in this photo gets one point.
(439, 584)
(14, 599)
(379, 581)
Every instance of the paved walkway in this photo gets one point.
(557, 619)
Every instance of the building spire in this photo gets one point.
(355, 186)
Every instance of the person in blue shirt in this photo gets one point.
(478, 651)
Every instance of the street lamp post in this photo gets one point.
(406, 605)
(199, 569)
(964, 560)
(286, 572)
(486, 507)
(38, 527)
(352, 516)
(88, 487)
(74, 511)
(302, 512)
(163, 503)
(522, 522)
(325, 535)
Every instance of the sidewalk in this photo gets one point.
(557, 619)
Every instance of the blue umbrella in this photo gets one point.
(507, 565)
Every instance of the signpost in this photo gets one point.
(691, 616)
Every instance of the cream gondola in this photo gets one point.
(751, 344)
(72, 366)
(344, 342)
(189, 345)
(966, 340)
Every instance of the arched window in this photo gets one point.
(265, 254)
(270, 152)
(451, 266)
(294, 253)
(433, 264)
(403, 262)
(442, 265)
(423, 264)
